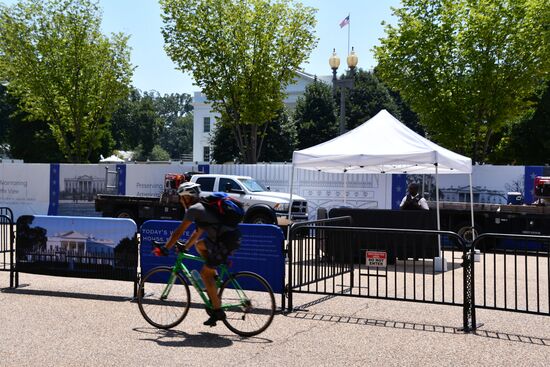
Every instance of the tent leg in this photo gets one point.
(345, 188)
(290, 202)
(440, 263)
(477, 253)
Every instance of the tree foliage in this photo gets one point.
(17, 130)
(317, 112)
(280, 141)
(527, 142)
(176, 136)
(6, 109)
(467, 67)
(368, 97)
(242, 54)
(64, 70)
(147, 120)
(315, 116)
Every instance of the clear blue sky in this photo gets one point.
(155, 71)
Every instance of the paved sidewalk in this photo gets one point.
(53, 321)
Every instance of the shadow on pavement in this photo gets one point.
(96, 297)
(63, 294)
(176, 338)
(306, 315)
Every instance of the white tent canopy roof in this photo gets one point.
(381, 145)
(112, 159)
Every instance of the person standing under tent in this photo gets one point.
(413, 200)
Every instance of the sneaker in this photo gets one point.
(217, 315)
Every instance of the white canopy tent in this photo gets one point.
(383, 145)
(112, 159)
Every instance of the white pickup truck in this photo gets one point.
(261, 205)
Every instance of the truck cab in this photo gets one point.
(261, 205)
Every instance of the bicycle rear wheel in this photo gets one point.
(163, 298)
(248, 302)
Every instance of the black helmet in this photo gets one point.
(189, 189)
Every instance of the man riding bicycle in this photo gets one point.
(208, 246)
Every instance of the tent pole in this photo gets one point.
(472, 207)
(423, 187)
(345, 187)
(290, 202)
(437, 200)
(442, 266)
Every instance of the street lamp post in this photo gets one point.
(343, 84)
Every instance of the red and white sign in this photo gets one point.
(376, 258)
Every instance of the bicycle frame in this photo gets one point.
(223, 273)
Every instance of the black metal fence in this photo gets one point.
(439, 267)
(7, 212)
(7, 240)
(513, 273)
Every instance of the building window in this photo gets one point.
(206, 154)
(206, 123)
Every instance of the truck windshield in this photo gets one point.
(252, 185)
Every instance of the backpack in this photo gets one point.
(412, 203)
(230, 213)
(228, 210)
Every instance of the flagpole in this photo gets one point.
(349, 27)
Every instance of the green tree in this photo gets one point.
(223, 148)
(242, 54)
(64, 70)
(528, 141)
(17, 129)
(467, 67)
(177, 134)
(368, 97)
(177, 137)
(279, 141)
(124, 128)
(148, 122)
(6, 109)
(43, 149)
(406, 114)
(314, 115)
(147, 119)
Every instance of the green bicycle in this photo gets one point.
(164, 296)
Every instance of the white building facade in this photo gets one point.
(204, 120)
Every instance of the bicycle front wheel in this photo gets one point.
(163, 298)
(248, 302)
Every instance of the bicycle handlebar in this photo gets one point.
(180, 246)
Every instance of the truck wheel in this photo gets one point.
(261, 218)
(125, 213)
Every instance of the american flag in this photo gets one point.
(344, 22)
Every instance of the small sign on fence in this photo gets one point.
(376, 258)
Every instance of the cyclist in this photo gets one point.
(207, 246)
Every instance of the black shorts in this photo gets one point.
(218, 252)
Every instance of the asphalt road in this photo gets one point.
(53, 321)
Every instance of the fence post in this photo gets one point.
(288, 288)
(469, 317)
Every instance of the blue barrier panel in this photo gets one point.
(261, 250)
(399, 189)
(121, 184)
(104, 248)
(54, 189)
(529, 182)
